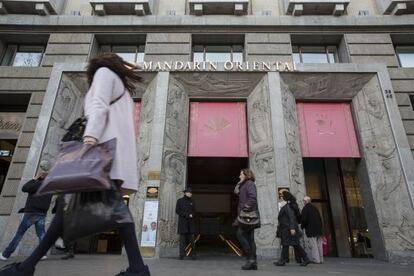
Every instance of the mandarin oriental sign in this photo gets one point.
(10, 124)
(249, 66)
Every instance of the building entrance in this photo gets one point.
(334, 187)
(7, 147)
(213, 180)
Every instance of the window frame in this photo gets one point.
(204, 46)
(397, 53)
(138, 48)
(327, 52)
(13, 49)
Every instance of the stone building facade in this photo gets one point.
(372, 40)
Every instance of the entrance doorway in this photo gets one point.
(7, 147)
(334, 187)
(212, 180)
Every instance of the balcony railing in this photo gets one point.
(396, 7)
(121, 7)
(41, 7)
(236, 7)
(315, 7)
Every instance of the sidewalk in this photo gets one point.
(109, 265)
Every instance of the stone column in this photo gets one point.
(150, 143)
(174, 166)
(262, 161)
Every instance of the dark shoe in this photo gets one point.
(305, 263)
(12, 270)
(250, 265)
(144, 272)
(193, 257)
(279, 263)
(181, 258)
(67, 257)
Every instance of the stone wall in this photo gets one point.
(168, 47)
(28, 81)
(268, 47)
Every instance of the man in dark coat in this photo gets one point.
(34, 211)
(185, 209)
(288, 229)
(312, 224)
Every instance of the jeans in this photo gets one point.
(246, 239)
(183, 241)
(28, 220)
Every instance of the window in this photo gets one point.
(23, 55)
(412, 101)
(315, 54)
(130, 53)
(218, 53)
(405, 55)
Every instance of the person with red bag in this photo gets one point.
(109, 78)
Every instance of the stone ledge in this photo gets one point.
(40, 7)
(121, 7)
(315, 7)
(205, 7)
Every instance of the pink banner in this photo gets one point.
(137, 109)
(327, 130)
(218, 130)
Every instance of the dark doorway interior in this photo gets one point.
(212, 180)
(334, 187)
(7, 147)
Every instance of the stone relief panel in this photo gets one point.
(145, 125)
(218, 85)
(68, 106)
(173, 173)
(296, 174)
(262, 162)
(325, 86)
(388, 186)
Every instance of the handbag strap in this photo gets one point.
(117, 99)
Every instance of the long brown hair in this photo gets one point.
(248, 174)
(116, 64)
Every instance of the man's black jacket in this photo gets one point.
(35, 204)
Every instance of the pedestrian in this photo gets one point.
(110, 80)
(185, 209)
(246, 189)
(288, 228)
(35, 211)
(312, 224)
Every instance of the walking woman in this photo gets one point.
(289, 216)
(111, 80)
(246, 189)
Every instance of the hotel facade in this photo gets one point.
(314, 96)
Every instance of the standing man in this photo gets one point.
(34, 211)
(185, 209)
(312, 224)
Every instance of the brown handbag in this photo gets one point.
(80, 168)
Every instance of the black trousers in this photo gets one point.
(184, 238)
(300, 253)
(246, 238)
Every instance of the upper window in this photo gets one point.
(23, 55)
(405, 55)
(218, 53)
(131, 53)
(412, 101)
(315, 54)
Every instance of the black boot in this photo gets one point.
(12, 270)
(143, 272)
(68, 256)
(250, 265)
(281, 262)
(305, 262)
